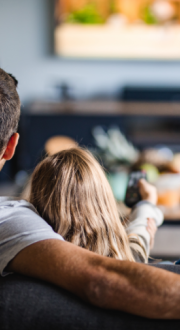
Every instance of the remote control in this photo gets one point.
(132, 193)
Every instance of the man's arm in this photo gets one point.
(104, 282)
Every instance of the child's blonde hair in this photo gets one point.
(71, 192)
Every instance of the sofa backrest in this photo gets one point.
(30, 304)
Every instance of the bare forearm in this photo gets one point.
(142, 290)
(104, 282)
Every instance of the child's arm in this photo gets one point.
(141, 212)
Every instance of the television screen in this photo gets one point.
(130, 29)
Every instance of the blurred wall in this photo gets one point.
(26, 50)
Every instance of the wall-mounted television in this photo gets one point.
(130, 29)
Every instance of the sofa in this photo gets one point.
(30, 304)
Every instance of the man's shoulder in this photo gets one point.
(20, 227)
(19, 217)
(13, 202)
(19, 210)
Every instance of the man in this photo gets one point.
(29, 246)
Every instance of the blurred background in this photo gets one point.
(106, 74)
(118, 28)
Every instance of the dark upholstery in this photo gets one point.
(170, 268)
(26, 303)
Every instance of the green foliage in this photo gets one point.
(87, 15)
(113, 8)
(149, 17)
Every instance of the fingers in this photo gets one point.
(152, 224)
(151, 228)
(147, 191)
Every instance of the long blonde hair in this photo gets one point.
(71, 192)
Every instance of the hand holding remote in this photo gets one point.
(147, 191)
(133, 195)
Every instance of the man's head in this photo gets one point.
(9, 115)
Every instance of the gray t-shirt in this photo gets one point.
(20, 226)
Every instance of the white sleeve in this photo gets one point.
(138, 222)
(20, 226)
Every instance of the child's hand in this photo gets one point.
(151, 228)
(147, 191)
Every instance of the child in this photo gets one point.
(71, 192)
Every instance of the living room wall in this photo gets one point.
(26, 50)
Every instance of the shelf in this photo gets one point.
(105, 108)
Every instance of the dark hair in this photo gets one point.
(9, 107)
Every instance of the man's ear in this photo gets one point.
(11, 147)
